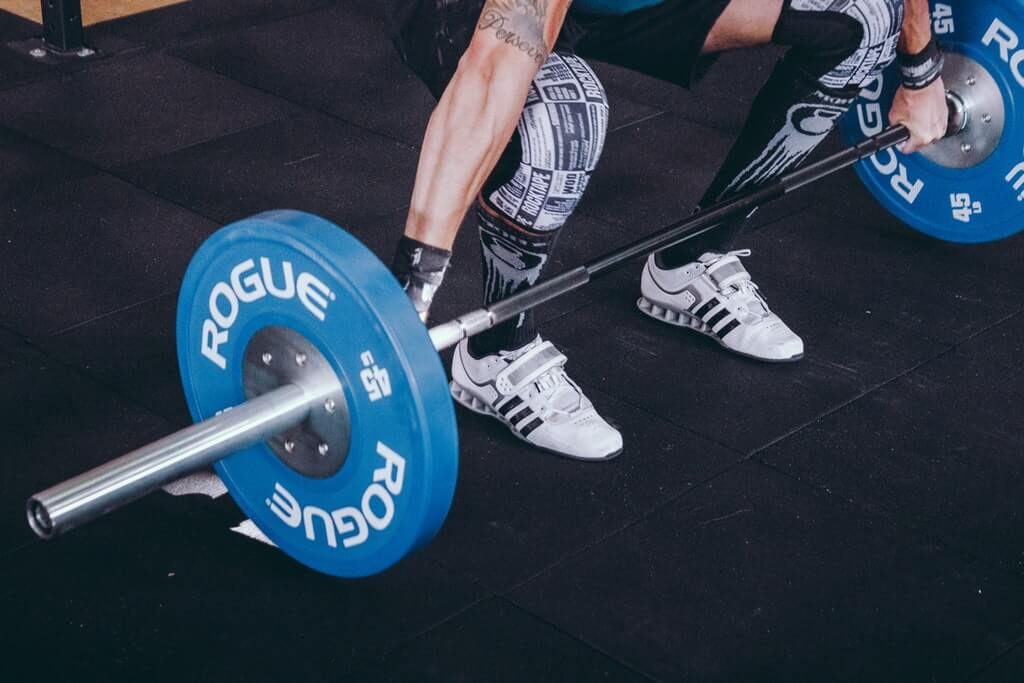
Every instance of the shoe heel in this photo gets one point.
(667, 315)
(467, 400)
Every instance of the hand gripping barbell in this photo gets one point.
(318, 394)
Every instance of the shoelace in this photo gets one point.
(747, 287)
(551, 384)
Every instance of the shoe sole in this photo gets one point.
(688, 321)
(467, 399)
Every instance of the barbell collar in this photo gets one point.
(133, 475)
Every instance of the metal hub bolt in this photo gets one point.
(318, 445)
(977, 115)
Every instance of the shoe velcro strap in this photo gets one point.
(727, 271)
(528, 367)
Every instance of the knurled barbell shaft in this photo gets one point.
(133, 475)
(469, 324)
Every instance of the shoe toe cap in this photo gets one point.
(588, 438)
(598, 441)
(786, 349)
(774, 342)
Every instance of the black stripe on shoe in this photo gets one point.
(703, 310)
(510, 405)
(729, 327)
(718, 317)
(528, 429)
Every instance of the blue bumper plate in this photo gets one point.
(294, 270)
(968, 188)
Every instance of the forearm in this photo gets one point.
(920, 102)
(475, 118)
(917, 27)
(466, 135)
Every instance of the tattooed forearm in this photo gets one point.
(519, 23)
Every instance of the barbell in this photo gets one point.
(319, 396)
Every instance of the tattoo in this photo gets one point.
(519, 23)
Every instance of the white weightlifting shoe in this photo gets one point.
(529, 391)
(715, 296)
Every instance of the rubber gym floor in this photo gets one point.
(856, 516)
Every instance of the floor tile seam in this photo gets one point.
(215, 31)
(297, 111)
(970, 338)
(974, 675)
(113, 170)
(109, 386)
(459, 572)
(893, 522)
(724, 129)
(94, 172)
(117, 172)
(667, 109)
(14, 333)
(826, 296)
(957, 345)
(575, 637)
(102, 316)
(886, 315)
(652, 510)
(407, 640)
(305, 107)
(576, 310)
(625, 231)
(740, 454)
(896, 523)
(10, 551)
(847, 403)
(1007, 314)
(640, 121)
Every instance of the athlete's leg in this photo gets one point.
(744, 23)
(835, 47)
(509, 372)
(536, 187)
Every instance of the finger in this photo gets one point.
(913, 145)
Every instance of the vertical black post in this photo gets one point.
(62, 25)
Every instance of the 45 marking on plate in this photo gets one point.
(376, 380)
(1016, 179)
(964, 208)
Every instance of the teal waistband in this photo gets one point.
(613, 6)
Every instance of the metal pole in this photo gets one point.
(451, 333)
(62, 25)
(141, 471)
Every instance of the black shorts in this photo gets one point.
(663, 41)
